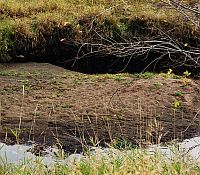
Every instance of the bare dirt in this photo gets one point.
(48, 104)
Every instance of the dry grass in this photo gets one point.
(62, 11)
(26, 22)
(20, 9)
(31, 26)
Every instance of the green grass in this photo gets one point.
(134, 161)
(145, 75)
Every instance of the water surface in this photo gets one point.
(17, 154)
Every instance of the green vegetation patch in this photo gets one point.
(6, 41)
(134, 161)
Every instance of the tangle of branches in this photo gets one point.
(176, 54)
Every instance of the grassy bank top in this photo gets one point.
(33, 13)
(23, 23)
(70, 11)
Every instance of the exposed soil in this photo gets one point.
(49, 104)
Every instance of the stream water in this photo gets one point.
(189, 147)
(18, 154)
(21, 154)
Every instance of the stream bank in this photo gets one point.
(50, 105)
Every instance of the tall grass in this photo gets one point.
(135, 161)
(6, 43)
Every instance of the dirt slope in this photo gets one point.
(48, 104)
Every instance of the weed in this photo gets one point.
(178, 94)
(65, 105)
(103, 77)
(8, 73)
(170, 74)
(85, 168)
(145, 75)
(58, 93)
(120, 143)
(176, 104)
(24, 82)
(58, 83)
(5, 40)
(94, 141)
(77, 82)
(176, 76)
(158, 85)
(186, 73)
(58, 88)
(185, 78)
(16, 134)
(36, 74)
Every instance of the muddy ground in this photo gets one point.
(48, 104)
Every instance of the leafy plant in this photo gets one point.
(185, 78)
(176, 104)
(16, 134)
(169, 72)
(178, 94)
(186, 73)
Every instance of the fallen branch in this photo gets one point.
(176, 54)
